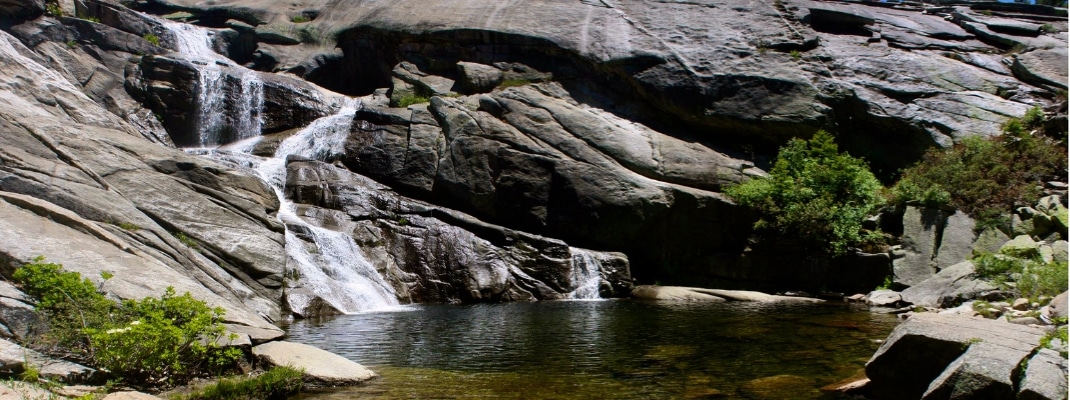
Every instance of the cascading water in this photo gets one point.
(586, 275)
(246, 98)
(337, 271)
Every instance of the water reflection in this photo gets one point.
(606, 349)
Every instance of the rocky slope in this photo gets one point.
(600, 124)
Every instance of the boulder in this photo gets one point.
(1044, 377)
(989, 241)
(1022, 246)
(914, 262)
(478, 78)
(942, 355)
(983, 371)
(1058, 306)
(948, 288)
(320, 367)
(884, 298)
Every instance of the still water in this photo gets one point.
(617, 349)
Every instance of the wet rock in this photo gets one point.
(779, 387)
(432, 254)
(320, 367)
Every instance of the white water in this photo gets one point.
(586, 275)
(336, 271)
(195, 44)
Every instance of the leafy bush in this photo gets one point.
(70, 303)
(277, 383)
(1032, 278)
(153, 341)
(155, 40)
(813, 193)
(987, 177)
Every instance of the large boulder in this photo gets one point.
(1045, 377)
(943, 356)
(933, 239)
(320, 367)
(948, 288)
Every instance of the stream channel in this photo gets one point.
(610, 349)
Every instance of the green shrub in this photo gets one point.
(813, 193)
(169, 339)
(795, 54)
(1032, 278)
(410, 99)
(277, 383)
(1058, 333)
(69, 303)
(299, 19)
(53, 9)
(155, 40)
(987, 177)
(154, 341)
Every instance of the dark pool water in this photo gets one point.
(615, 349)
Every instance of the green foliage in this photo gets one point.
(813, 193)
(1049, 28)
(69, 302)
(1032, 278)
(887, 283)
(153, 341)
(30, 373)
(169, 339)
(277, 383)
(1058, 333)
(72, 44)
(129, 226)
(299, 19)
(186, 240)
(795, 54)
(987, 177)
(410, 99)
(53, 9)
(155, 40)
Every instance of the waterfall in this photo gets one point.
(241, 97)
(337, 270)
(586, 275)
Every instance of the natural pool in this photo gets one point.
(615, 349)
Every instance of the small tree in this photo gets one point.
(813, 193)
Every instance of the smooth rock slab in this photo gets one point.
(674, 293)
(884, 298)
(320, 366)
